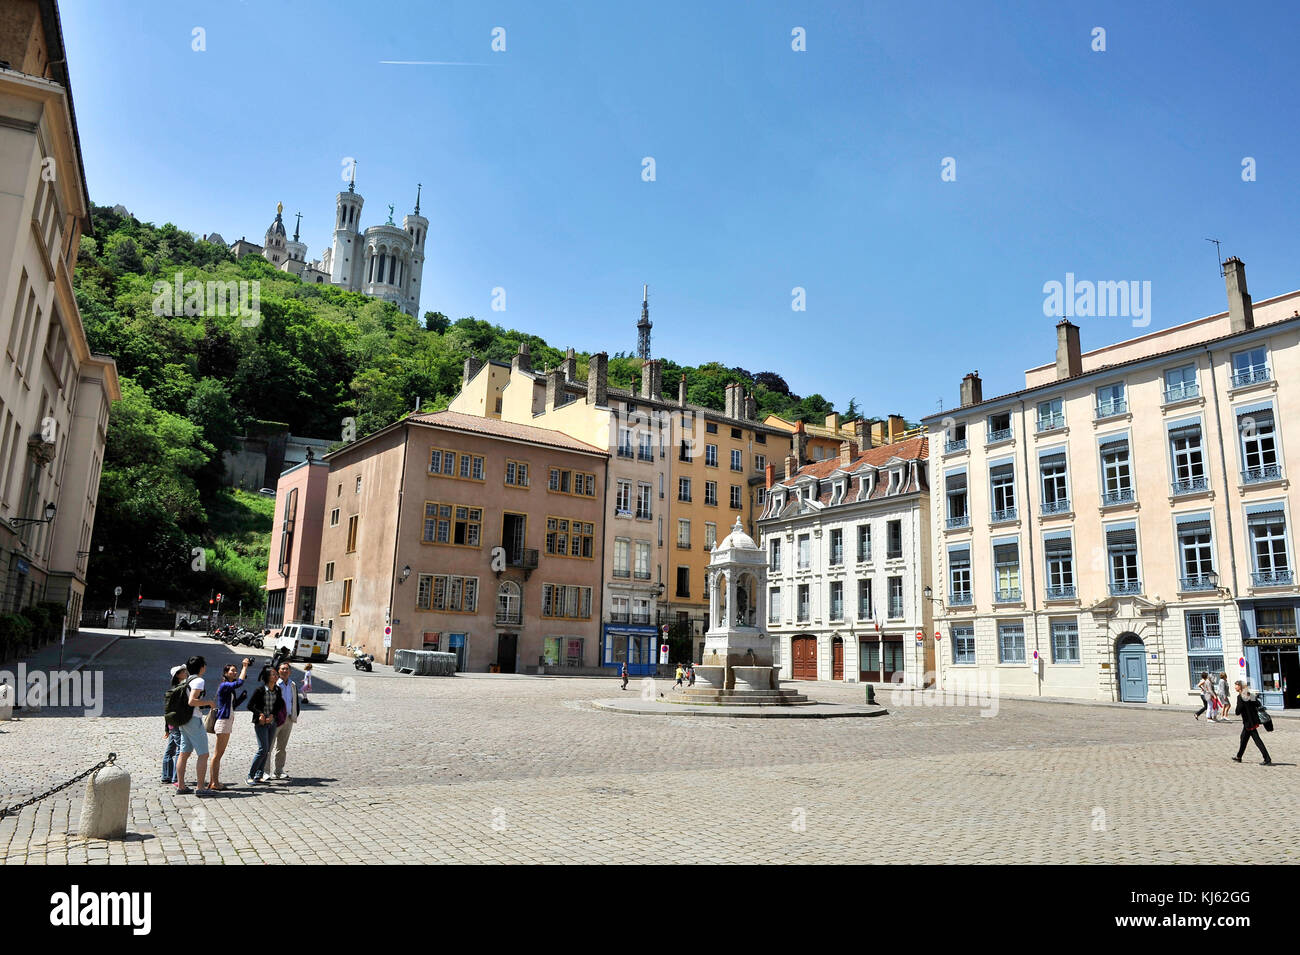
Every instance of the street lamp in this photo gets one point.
(406, 572)
(27, 521)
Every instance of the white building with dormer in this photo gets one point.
(847, 543)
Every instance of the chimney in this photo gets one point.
(522, 361)
(848, 451)
(554, 388)
(1069, 360)
(598, 379)
(1241, 314)
(569, 366)
(791, 465)
(751, 408)
(681, 391)
(896, 427)
(651, 386)
(862, 433)
(769, 475)
(472, 365)
(727, 400)
(972, 389)
(800, 443)
(833, 422)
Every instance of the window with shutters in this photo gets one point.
(1002, 489)
(1195, 553)
(955, 494)
(1187, 458)
(959, 580)
(1270, 556)
(1056, 495)
(1059, 556)
(1006, 571)
(1259, 458)
(1116, 471)
(1122, 559)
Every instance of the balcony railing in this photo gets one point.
(837, 611)
(864, 611)
(1182, 391)
(645, 454)
(962, 598)
(513, 618)
(625, 451)
(1191, 485)
(642, 575)
(1125, 588)
(683, 545)
(1061, 592)
(1267, 472)
(864, 557)
(803, 615)
(621, 573)
(952, 447)
(1251, 376)
(1059, 506)
(1050, 422)
(524, 558)
(1110, 408)
(1001, 434)
(1123, 496)
(643, 514)
(640, 616)
(1198, 582)
(1007, 594)
(955, 522)
(1006, 514)
(774, 615)
(1273, 578)
(620, 616)
(837, 558)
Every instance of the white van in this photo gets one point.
(304, 642)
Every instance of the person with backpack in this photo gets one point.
(224, 717)
(182, 704)
(268, 709)
(172, 733)
(1248, 708)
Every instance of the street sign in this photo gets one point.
(388, 631)
(938, 635)
(663, 653)
(117, 591)
(920, 637)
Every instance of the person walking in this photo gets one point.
(624, 674)
(680, 675)
(306, 682)
(172, 734)
(268, 712)
(1207, 691)
(289, 690)
(1221, 691)
(690, 674)
(194, 737)
(225, 717)
(1248, 710)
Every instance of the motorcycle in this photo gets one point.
(259, 639)
(362, 661)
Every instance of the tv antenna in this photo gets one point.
(1218, 254)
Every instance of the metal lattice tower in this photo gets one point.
(643, 326)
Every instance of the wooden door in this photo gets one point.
(506, 644)
(837, 659)
(803, 658)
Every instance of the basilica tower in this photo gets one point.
(345, 253)
(417, 227)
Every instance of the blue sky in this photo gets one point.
(775, 169)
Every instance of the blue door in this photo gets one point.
(1132, 670)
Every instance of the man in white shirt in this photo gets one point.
(289, 690)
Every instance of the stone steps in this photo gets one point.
(732, 698)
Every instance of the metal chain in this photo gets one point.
(18, 807)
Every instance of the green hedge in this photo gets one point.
(15, 634)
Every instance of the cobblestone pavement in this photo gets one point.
(392, 768)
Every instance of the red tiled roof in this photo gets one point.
(456, 421)
(912, 448)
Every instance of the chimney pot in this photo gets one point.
(681, 391)
(848, 451)
(598, 379)
(522, 361)
(972, 389)
(1241, 313)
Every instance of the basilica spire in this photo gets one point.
(643, 326)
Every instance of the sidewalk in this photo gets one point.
(81, 648)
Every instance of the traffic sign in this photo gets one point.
(388, 631)
(117, 591)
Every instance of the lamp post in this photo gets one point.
(50, 510)
(928, 593)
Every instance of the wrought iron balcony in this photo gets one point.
(645, 454)
(1002, 434)
(642, 575)
(1050, 422)
(1059, 506)
(1005, 595)
(864, 611)
(1125, 588)
(1006, 514)
(625, 451)
(512, 618)
(1273, 578)
(640, 616)
(1198, 582)
(619, 616)
(961, 598)
(1251, 376)
(803, 616)
(1191, 485)
(622, 572)
(837, 611)
(1062, 592)
(952, 447)
(837, 558)
(1182, 391)
(525, 558)
(1123, 496)
(1267, 472)
(1108, 409)
(864, 557)
(954, 522)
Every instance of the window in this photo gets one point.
(644, 494)
(999, 427)
(837, 546)
(1187, 457)
(1011, 643)
(570, 538)
(774, 605)
(1258, 444)
(1249, 367)
(684, 489)
(566, 601)
(683, 581)
(736, 433)
(1056, 496)
(1002, 484)
(685, 452)
(471, 467)
(760, 462)
(710, 535)
(955, 493)
(329, 571)
(803, 603)
(760, 437)
(711, 455)
(509, 603)
(894, 542)
(1006, 571)
(837, 600)
(623, 499)
(963, 644)
(774, 555)
(564, 481)
(895, 598)
(1266, 526)
(424, 592)
(358, 490)
(517, 473)
(959, 582)
(642, 569)
(864, 543)
(1204, 644)
(334, 517)
(955, 439)
(1116, 471)
(1121, 551)
(1058, 550)
(711, 492)
(352, 533)
(645, 450)
(1111, 400)
(1065, 641)
(805, 551)
(1180, 384)
(737, 462)
(683, 533)
(711, 427)
(735, 497)
(1051, 414)
(454, 594)
(622, 557)
(346, 606)
(1195, 555)
(864, 600)
(624, 443)
(442, 461)
(456, 524)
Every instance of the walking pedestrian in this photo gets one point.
(1221, 691)
(268, 712)
(306, 682)
(225, 722)
(624, 674)
(1248, 710)
(680, 676)
(690, 674)
(1207, 691)
(194, 737)
(172, 733)
(289, 690)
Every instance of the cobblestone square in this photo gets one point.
(393, 768)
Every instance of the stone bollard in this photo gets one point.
(6, 702)
(103, 811)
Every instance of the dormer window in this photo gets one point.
(837, 492)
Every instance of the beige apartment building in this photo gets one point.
(54, 394)
(1126, 520)
(463, 533)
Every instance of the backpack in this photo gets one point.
(176, 707)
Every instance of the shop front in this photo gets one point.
(1272, 652)
(630, 644)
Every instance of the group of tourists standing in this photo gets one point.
(1214, 700)
(274, 706)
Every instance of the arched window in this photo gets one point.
(509, 603)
